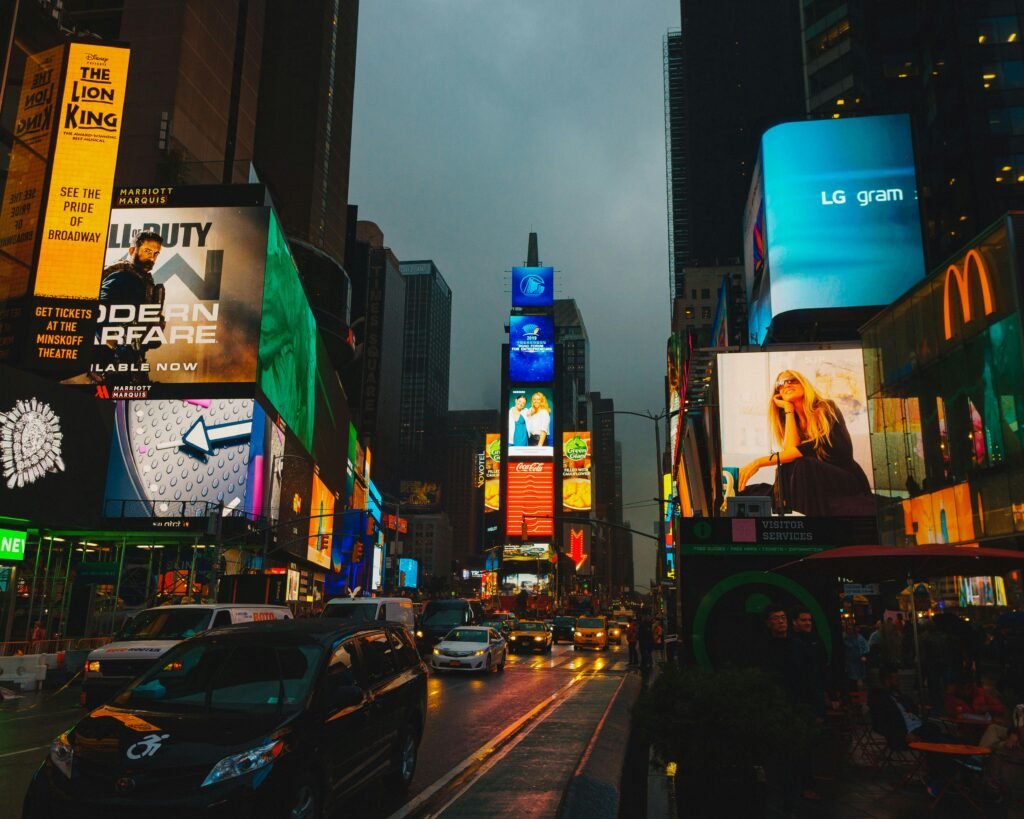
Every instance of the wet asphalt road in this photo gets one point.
(466, 714)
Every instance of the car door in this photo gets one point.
(497, 646)
(384, 691)
(347, 726)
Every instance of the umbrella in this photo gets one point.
(892, 563)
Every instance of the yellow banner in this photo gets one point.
(26, 174)
(82, 176)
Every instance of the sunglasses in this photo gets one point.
(783, 382)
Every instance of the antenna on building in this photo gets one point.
(532, 256)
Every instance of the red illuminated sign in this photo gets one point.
(531, 487)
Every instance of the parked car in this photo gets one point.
(530, 635)
(615, 632)
(441, 616)
(591, 632)
(393, 609)
(563, 628)
(470, 648)
(151, 633)
(279, 719)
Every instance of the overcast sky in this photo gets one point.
(477, 122)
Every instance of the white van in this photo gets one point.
(395, 609)
(152, 632)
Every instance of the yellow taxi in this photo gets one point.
(591, 632)
(530, 635)
(615, 632)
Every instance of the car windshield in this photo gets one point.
(467, 635)
(565, 621)
(166, 624)
(209, 675)
(352, 611)
(498, 624)
(590, 622)
(444, 615)
(530, 627)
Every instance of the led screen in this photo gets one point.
(420, 496)
(408, 573)
(576, 471)
(841, 223)
(832, 475)
(321, 523)
(944, 516)
(531, 349)
(533, 286)
(530, 493)
(530, 422)
(376, 573)
(492, 472)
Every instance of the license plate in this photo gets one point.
(454, 663)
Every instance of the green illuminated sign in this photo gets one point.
(12, 544)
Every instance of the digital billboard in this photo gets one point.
(841, 226)
(531, 493)
(408, 573)
(944, 516)
(577, 462)
(492, 472)
(533, 286)
(809, 406)
(21, 207)
(175, 458)
(530, 422)
(53, 451)
(321, 523)
(531, 349)
(420, 496)
(576, 543)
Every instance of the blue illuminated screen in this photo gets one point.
(408, 572)
(531, 349)
(533, 286)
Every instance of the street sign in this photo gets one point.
(866, 589)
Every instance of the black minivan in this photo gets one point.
(441, 616)
(268, 719)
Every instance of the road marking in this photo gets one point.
(24, 751)
(483, 755)
(593, 738)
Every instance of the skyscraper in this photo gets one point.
(426, 360)
(463, 484)
(574, 374)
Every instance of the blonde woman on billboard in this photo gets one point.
(817, 473)
(538, 419)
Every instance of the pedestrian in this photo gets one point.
(855, 655)
(644, 639)
(657, 636)
(632, 631)
(38, 632)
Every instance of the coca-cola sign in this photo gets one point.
(532, 467)
(530, 494)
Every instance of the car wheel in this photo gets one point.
(501, 665)
(304, 802)
(404, 763)
(488, 666)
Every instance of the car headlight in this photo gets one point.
(92, 667)
(538, 639)
(479, 653)
(62, 753)
(599, 634)
(572, 629)
(419, 633)
(244, 763)
(437, 650)
(513, 637)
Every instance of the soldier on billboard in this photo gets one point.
(128, 282)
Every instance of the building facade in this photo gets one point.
(464, 481)
(574, 375)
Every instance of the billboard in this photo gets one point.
(492, 472)
(577, 462)
(530, 422)
(531, 493)
(21, 207)
(420, 496)
(321, 523)
(944, 516)
(533, 286)
(53, 451)
(174, 458)
(408, 573)
(841, 224)
(531, 349)
(810, 407)
(526, 551)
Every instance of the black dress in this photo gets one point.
(827, 480)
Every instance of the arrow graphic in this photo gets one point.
(202, 439)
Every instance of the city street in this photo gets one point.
(505, 742)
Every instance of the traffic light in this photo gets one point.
(357, 552)
(525, 533)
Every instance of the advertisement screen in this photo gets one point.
(408, 573)
(54, 444)
(82, 174)
(944, 516)
(841, 221)
(533, 286)
(809, 406)
(22, 201)
(531, 493)
(526, 551)
(378, 567)
(530, 422)
(174, 459)
(492, 472)
(531, 349)
(576, 468)
(321, 523)
(420, 496)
